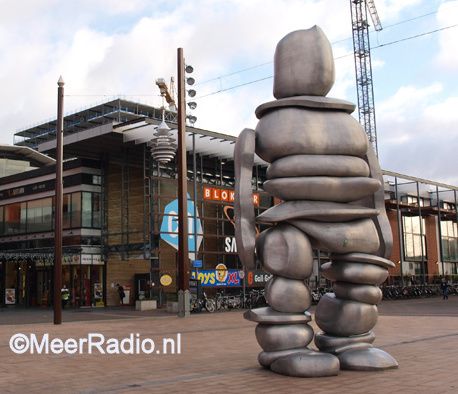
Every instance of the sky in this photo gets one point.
(106, 49)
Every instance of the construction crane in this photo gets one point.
(363, 68)
(169, 96)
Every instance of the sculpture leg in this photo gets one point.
(348, 315)
(283, 331)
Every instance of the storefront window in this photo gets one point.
(15, 218)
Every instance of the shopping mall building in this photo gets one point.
(120, 213)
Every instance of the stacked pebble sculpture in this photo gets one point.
(325, 171)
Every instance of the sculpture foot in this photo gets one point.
(267, 358)
(307, 365)
(365, 358)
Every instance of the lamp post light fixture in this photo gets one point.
(59, 206)
(162, 145)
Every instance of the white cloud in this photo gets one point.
(393, 8)
(407, 102)
(423, 146)
(448, 56)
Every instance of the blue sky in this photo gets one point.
(111, 48)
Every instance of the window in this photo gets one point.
(449, 241)
(76, 210)
(86, 210)
(96, 179)
(15, 218)
(424, 202)
(2, 226)
(39, 215)
(91, 215)
(413, 249)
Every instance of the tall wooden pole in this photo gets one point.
(183, 258)
(59, 206)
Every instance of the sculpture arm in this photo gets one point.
(245, 232)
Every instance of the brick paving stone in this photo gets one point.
(219, 353)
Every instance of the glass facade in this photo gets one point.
(80, 209)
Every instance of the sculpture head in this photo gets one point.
(303, 64)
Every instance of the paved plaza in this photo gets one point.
(218, 353)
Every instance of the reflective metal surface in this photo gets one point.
(326, 171)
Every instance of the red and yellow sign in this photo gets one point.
(224, 195)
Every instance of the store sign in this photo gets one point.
(230, 246)
(169, 227)
(197, 263)
(95, 259)
(166, 280)
(257, 278)
(224, 195)
(220, 276)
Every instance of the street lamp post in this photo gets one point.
(59, 206)
(183, 258)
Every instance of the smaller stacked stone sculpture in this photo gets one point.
(324, 170)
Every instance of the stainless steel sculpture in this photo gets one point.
(325, 171)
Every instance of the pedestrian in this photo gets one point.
(444, 287)
(121, 294)
(65, 296)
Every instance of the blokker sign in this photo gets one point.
(224, 195)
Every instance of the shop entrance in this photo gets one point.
(18, 283)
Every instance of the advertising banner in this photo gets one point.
(10, 296)
(220, 276)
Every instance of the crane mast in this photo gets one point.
(363, 68)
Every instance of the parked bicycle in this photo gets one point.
(208, 303)
(197, 304)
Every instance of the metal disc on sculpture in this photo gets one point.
(362, 258)
(267, 315)
(285, 250)
(347, 271)
(307, 365)
(318, 165)
(267, 358)
(340, 317)
(245, 235)
(306, 102)
(274, 337)
(357, 235)
(322, 211)
(329, 343)
(288, 295)
(308, 132)
(303, 47)
(368, 294)
(321, 188)
(366, 359)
